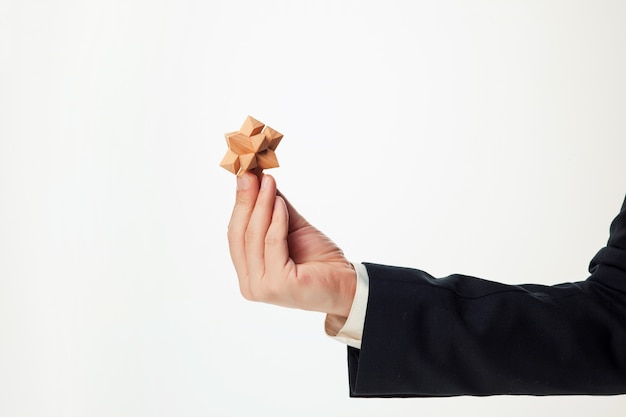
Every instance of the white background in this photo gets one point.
(480, 137)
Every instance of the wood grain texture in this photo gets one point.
(252, 148)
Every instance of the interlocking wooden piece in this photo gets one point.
(231, 161)
(267, 159)
(251, 148)
(248, 161)
(273, 137)
(251, 126)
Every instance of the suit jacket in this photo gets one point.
(462, 335)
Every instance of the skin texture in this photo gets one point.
(280, 258)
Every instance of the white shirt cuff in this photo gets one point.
(350, 330)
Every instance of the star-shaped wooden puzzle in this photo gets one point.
(251, 148)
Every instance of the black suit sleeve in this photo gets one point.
(461, 335)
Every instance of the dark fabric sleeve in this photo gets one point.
(461, 335)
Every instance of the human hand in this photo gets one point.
(280, 258)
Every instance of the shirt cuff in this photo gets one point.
(350, 330)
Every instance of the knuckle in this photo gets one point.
(271, 239)
(273, 292)
(255, 294)
(251, 235)
(242, 199)
(235, 228)
(264, 293)
(230, 232)
(246, 293)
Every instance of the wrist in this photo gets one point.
(347, 288)
(349, 329)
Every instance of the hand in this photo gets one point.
(280, 258)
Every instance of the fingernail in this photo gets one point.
(243, 182)
(264, 182)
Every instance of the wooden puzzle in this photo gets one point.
(251, 148)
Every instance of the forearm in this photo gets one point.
(466, 336)
(463, 336)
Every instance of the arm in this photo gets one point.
(440, 337)
(465, 336)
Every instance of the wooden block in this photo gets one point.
(272, 137)
(231, 162)
(259, 143)
(251, 149)
(251, 126)
(267, 159)
(248, 162)
(226, 135)
(239, 143)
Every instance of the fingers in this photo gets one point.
(276, 247)
(257, 229)
(247, 192)
(260, 225)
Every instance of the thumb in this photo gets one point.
(276, 246)
(296, 221)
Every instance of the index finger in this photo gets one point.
(247, 192)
